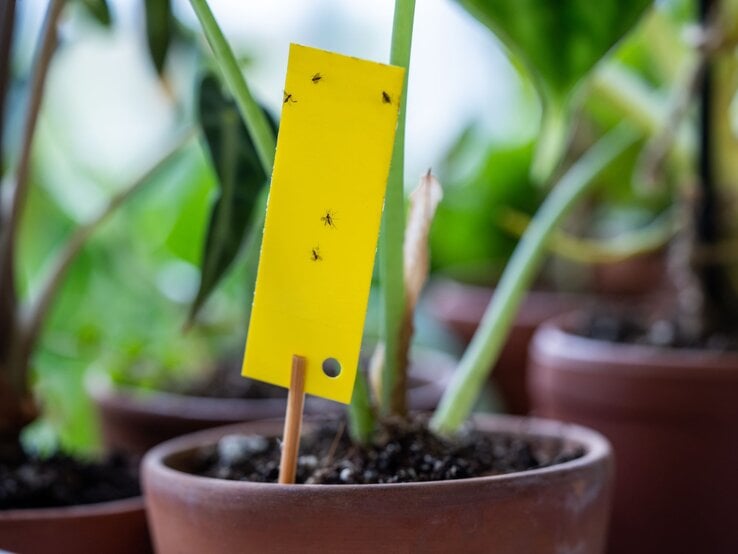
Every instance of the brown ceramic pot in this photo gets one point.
(460, 307)
(117, 527)
(562, 508)
(134, 421)
(672, 417)
(644, 274)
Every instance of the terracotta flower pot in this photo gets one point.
(644, 274)
(562, 508)
(460, 307)
(117, 527)
(134, 421)
(672, 417)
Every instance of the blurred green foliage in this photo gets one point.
(465, 239)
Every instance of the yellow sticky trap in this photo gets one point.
(334, 149)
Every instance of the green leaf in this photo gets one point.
(240, 180)
(98, 9)
(559, 41)
(159, 30)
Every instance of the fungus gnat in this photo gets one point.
(316, 78)
(386, 98)
(288, 98)
(315, 254)
(329, 219)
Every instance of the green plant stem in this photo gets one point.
(33, 319)
(256, 122)
(477, 362)
(393, 218)
(600, 251)
(360, 413)
(641, 105)
(553, 139)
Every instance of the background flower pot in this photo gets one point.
(134, 420)
(117, 527)
(672, 417)
(562, 508)
(460, 307)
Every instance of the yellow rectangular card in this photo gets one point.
(334, 149)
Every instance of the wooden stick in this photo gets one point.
(293, 422)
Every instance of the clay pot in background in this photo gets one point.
(672, 417)
(460, 308)
(644, 274)
(116, 527)
(134, 421)
(562, 508)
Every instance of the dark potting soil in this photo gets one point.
(60, 480)
(653, 332)
(402, 452)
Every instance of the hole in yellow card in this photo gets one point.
(325, 202)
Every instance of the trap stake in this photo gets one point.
(293, 422)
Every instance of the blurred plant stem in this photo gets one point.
(642, 106)
(553, 139)
(484, 349)
(393, 220)
(16, 373)
(256, 122)
(593, 251)
(7, 286)
(7, 28)
(713, 307)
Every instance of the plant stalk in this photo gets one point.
(484, 349)
(393, 218)
(11, 221)
(553, 139)
(256, 122)
(714, 221)
(630, 244)
(7, 286)
(7, 28)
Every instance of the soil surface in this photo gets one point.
(402, 452)
(32, 482)
(653, 332)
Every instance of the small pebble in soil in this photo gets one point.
(402, 452)
(233, 449)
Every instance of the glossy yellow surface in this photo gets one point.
(334, 148)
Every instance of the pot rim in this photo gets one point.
(97, 509)
(535, 304)
(555, 337)
(597, 450)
